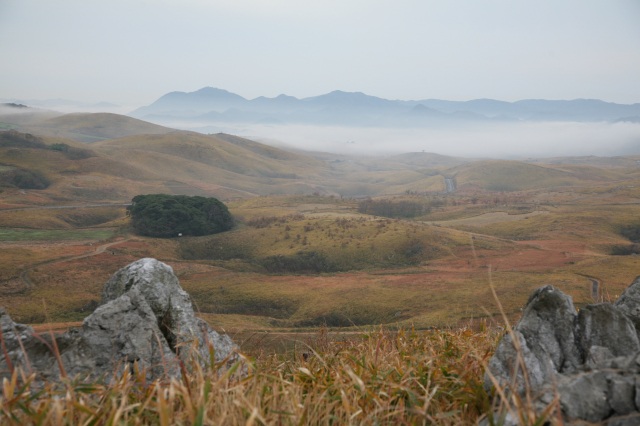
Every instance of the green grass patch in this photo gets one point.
(310, 244)
(54, 234)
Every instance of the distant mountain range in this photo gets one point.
(211, 105)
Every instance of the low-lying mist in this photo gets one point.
(494, 140)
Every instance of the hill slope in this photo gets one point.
(94, 127)
(205, 161)
(503, 175)
(129, 156)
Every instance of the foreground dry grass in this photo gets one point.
(377, 377)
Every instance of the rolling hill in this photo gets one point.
(18, 116)
(129, 156)
(211, 163)
(93, 127)
(503, 175)
(527, 223)
(81, 127)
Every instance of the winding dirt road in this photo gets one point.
(450, 185)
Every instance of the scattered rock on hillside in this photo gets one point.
(589, 361)
(145, 318)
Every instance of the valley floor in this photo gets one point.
(56, 276)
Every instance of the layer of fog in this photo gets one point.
(63, 106)
(495, 140)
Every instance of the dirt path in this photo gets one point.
(24, 275)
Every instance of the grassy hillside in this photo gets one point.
(76, 174)
(308, 257)
(92, 127)
(284, 244)
(145, 157)
(501, 175)
(247, 158)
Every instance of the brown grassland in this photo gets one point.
(341, 316)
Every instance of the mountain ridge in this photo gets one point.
(358, 108)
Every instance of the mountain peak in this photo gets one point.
(215, 92)
(342, 107)
(208, 90)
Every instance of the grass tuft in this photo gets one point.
(376, 377)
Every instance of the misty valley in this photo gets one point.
(362, 213)
(318, 255)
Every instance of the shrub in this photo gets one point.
(71, 152)
(212, 249)
(301, 262)
(16, 139)
(412, 250)
(631, 232)
(395, 209)
(165, 216)
(625, 250)
(265, 221)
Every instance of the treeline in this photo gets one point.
(70, 152)
(23, 178)
(15, 139)
(394, 209)
(625, 250)
(165, 216)
(631, 232)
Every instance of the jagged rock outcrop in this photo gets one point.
(588, 361)
(145, 318)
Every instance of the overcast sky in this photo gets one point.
(131, 52)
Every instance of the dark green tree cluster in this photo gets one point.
(394, 209)
(631, 232)
(24, 179)
(71, 152)
(166, 216)
(13, 138)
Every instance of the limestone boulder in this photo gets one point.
(588, 362)
(145, 318)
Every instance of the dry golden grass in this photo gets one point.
(502, 175)
(447, 284)
(69, 218)
(85, 127)
(375, 377)
(189, 156)
(230, 167)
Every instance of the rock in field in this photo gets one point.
(588, 361)
(145, 318)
